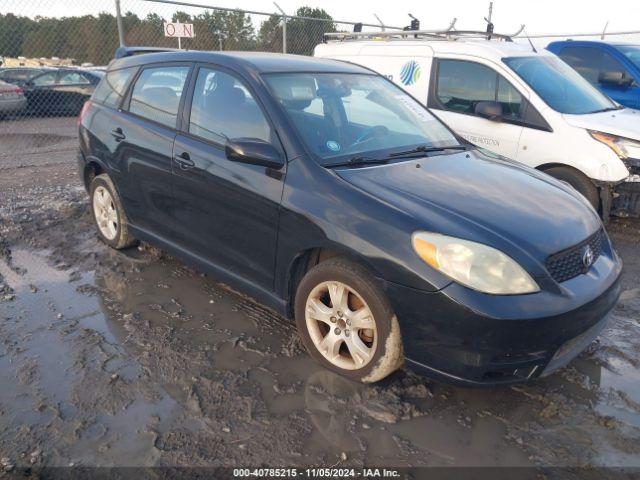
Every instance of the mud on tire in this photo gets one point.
(321, 284)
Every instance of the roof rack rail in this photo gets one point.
(448, 34)
(122, 52)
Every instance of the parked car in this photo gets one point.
(18, 76)
(523, 104)
(329, 194)
(12, 99)
(60, 91)
(614, 68)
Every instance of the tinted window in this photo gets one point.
(223, 108)
(72, 78)
(18, 74)
(341, 115)
(590, 62)
(559, 85)
(112, 87)
(46, 79)
(461, 85)
(156, 94)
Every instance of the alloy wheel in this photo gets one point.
(341, 325)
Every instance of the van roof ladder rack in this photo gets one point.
(448, 34)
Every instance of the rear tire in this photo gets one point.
(579, 181)
(108, 213)
(346, 322)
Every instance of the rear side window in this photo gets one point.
(223, 108)
(112, 87)
(461, 85)
(156, 94)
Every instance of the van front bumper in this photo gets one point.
(469, 338)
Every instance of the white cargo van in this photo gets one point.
(511, 100)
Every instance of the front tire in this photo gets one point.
(108, 213)
(346, 322)
(579, 181)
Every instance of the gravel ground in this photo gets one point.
(133, 359)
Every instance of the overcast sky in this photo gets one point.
(540, 16)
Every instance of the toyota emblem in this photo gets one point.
(587, 257)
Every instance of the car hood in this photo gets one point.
(624, 123)
(491, 201)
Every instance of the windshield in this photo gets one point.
(632, 52)
(340, 115)
(559, 85)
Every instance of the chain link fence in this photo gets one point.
(54, 52)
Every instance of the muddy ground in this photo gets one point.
(133, 359)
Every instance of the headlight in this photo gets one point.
(624, 147)
(472, 264)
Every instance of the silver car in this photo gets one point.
(12, 99)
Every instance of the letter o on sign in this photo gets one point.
(170, 29)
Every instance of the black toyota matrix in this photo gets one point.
(332, 196)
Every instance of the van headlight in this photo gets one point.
(625, 148)
(473, 265)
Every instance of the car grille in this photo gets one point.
(567, 264)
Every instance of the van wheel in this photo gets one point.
(346, 322)
(579, 181)
(108, 213)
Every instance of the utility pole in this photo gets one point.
(284, 28)
(379, 21)
(119, 23)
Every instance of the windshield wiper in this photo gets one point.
(425, 149)
(608, 109)
(358, 160)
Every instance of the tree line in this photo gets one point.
(94, 39)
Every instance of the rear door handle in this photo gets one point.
(184, 160)
(118, 134)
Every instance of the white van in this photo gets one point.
(511, 100)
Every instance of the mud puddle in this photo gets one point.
(136, 365)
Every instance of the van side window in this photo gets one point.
(591, 62)
(223, 108)
(462, 84)
(156, 94)
(111, 89)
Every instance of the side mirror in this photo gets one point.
(489, 110)
(255, 152)
(614, 79)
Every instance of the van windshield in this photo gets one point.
(632, 52)
(340, 115)
(559, 85)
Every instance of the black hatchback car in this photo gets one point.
(332, 196)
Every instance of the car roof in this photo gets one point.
(258, 62)
(477, 47)
(595, 42)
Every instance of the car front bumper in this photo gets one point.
(465, 337)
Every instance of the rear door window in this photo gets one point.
(111, 89)
(462, 84)
(223, 108)
(156, 93)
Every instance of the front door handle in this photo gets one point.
(184, 160)
(118, 134)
